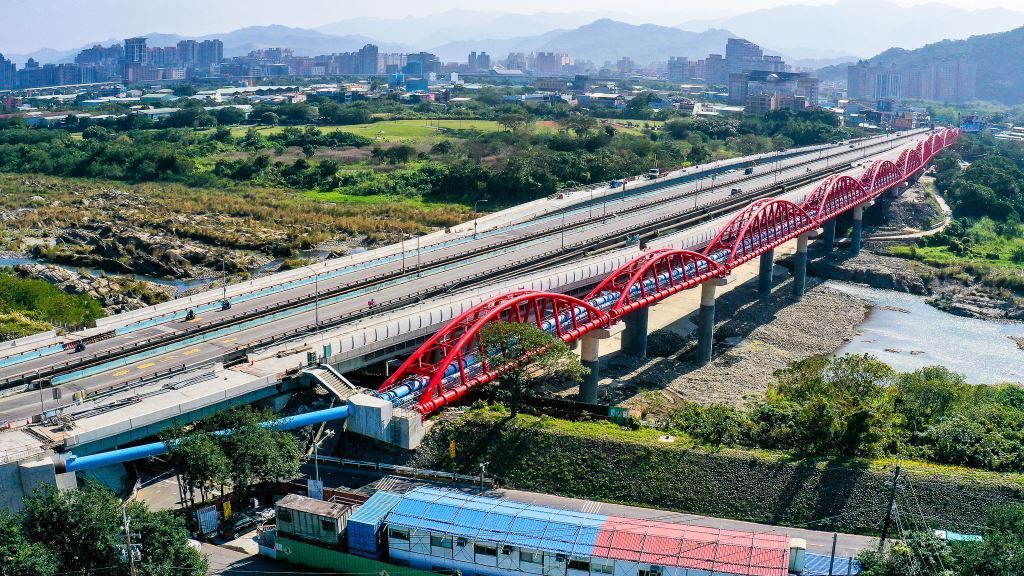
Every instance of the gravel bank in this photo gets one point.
(752, 342)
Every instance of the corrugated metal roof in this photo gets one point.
(596, 535)
(694, 547)
(817, 565)
(498, 521)
(374, 510)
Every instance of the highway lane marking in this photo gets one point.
(146, 365)
(122, 372)
(229, 340)
(190, 351)
(194, 320)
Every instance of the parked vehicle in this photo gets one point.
(238, 524)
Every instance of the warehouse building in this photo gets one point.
(443, 531)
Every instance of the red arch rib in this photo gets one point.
(464, 338)
(759, 227)
(840, 194)
(650, 266)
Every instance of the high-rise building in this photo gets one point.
(188, 52)
(752, 88)
(483, 62)
(715, 70)
(550, 63)
(368, 60)
(471, 62)
(860, 81)
(741, 54)
(135, 52)
(8, 74)
(678, 69)
(209, 53)
(515, 61)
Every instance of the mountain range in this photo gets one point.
(998, 58)
(808, 36)
(859, 27)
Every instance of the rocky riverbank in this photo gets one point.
(953, 294)
(115, 294)
(752, 341)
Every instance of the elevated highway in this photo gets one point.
(166, 339)
(574, 247)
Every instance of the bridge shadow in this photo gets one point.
(672, 352)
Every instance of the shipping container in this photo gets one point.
(325, 559)
(312, 519)
(365, 526)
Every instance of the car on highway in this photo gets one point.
(736, 191)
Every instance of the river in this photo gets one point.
(907, 333)
(179, 285)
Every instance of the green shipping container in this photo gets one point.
(320, 558)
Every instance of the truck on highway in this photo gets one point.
(736, 191)
(653, 174)
(749, 170)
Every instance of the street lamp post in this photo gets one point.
(316, 451)
(476, 210)
(316, 302)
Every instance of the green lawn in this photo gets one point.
(394, 130)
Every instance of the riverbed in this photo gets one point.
(905, 332)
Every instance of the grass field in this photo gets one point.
(394, 130)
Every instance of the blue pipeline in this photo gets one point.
(76, 463)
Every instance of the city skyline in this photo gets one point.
(72, 25)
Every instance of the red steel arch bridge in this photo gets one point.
(455, 360)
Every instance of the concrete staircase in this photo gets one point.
(333, 381)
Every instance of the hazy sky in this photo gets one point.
(65, 24)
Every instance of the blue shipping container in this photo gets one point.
(365, 525)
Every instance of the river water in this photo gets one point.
(179, 285)
(905, 332)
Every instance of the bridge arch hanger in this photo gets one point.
(656, 275)
(761, 226)
(881, 174)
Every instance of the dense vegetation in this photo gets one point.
(921, 553)
(986, 239)
(608, 462)
(858, 406)
(249, 455)
(80, 531)
(28, 306)
(522, 161)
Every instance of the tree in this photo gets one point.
(699, 154)
(513, 120)
(82, 530)
(255, 453)
(199, 461)
(18, 555)
(525, 354)
(581, 123)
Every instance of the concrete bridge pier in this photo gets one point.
(706, 318)
(634, 337)
(764, 278)
(858, 228)
(800, 267)
(590, 356)
(830, 236)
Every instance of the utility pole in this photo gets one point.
(888, 512)
(832, 559)
(130, 550)
(483, 472)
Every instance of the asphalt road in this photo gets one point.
(471, 255)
